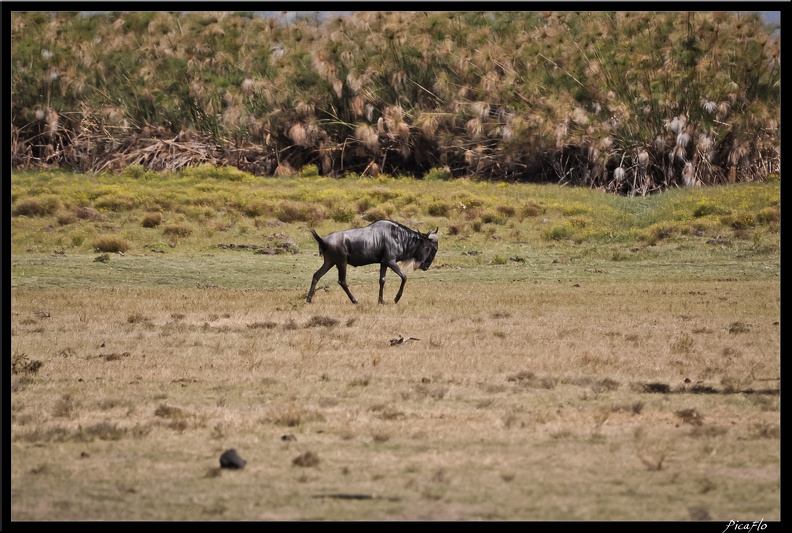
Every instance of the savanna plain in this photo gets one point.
(569, 355)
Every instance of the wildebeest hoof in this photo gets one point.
(231, 459)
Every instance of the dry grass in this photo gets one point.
(534, 399)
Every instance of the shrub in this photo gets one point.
(436, 174)
(557, 233)
(506, 210)
(578, 222)
(37, 207)
(151, 220)
(78, 238)
(363, 204)
(738, 221)
(22, 364)
(111, 243)
(138, 172)
(258, 208)
(65, 217)
(177, 230)
(698, 228)
(532, 210)
(493, 217)
(116, 202)
(382, 194)
(473, 213)
(374, 214)
(309, 170)
(342, 214)
(659, 232)
(290, 211)
(769, 215)
(438, 209)
(455, 229)
(704, 208)
(87, 213)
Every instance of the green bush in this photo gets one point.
(659, 232)
(309, 171)
(290, 211)
(704, 208)
(578, 222)
(557, 233)
(342, 214)
(436, 174)
(139, 172)
(257, 208)
(65, 217)
(78, 238)
(738, 221)
(493, 217)
(438, 209)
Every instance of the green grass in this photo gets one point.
(201, 208)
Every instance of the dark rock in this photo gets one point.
(231, 459)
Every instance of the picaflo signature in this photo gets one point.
(736, 525)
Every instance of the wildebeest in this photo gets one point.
(384, 242)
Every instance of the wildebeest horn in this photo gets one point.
(433, 234)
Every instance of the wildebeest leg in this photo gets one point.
(342, 280)
(383, 269)
(317, 276)
(393, 266)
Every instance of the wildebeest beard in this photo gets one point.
(415, 263)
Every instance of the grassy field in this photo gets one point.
(577, 356)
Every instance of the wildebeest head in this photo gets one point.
(427, 253)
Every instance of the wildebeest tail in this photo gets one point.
(322, 245)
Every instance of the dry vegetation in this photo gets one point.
(577, 388)
(629, 102)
